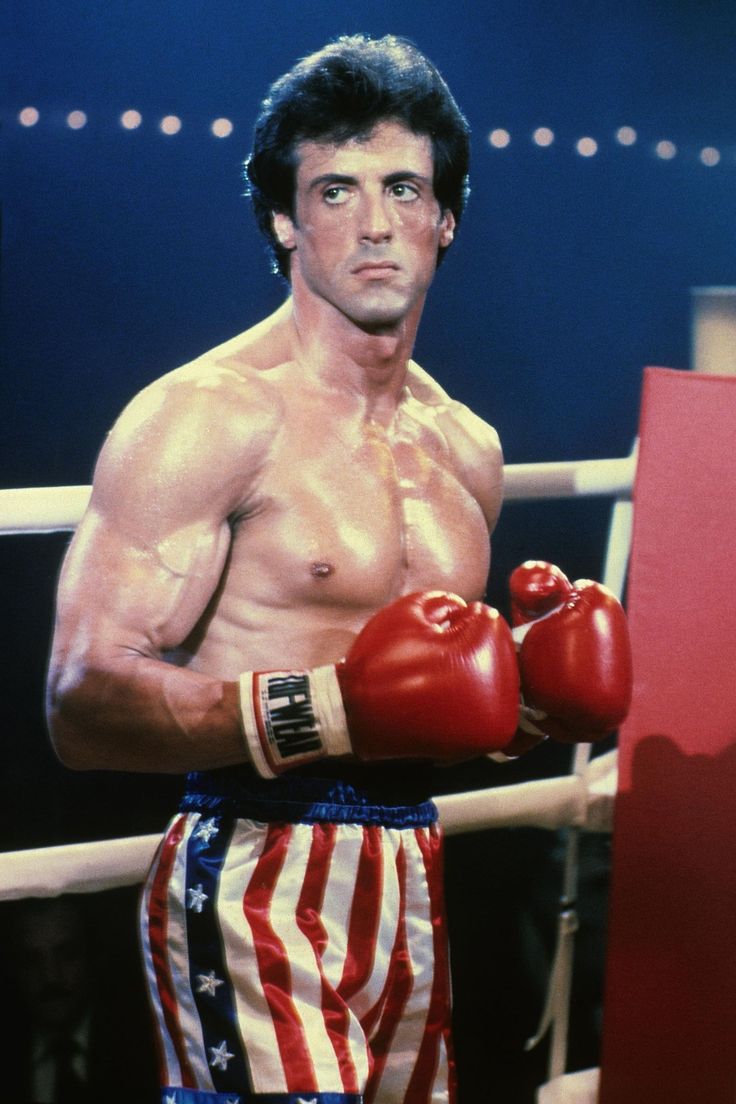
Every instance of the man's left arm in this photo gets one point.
(573, 643)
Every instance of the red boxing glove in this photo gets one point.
(428, 677)
(574, 653)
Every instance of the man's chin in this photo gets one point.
(379, 324)
(380, 314)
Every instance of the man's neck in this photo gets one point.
(344, 354)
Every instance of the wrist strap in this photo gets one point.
(518, 632)
(292, 717)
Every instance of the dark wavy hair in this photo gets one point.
(342, 92)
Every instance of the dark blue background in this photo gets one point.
(126, 253)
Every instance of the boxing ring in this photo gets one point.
(669, 1030)
(581, 801)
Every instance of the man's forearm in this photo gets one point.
(137, 713)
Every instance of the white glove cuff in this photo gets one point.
(292, 717)
(518, 632)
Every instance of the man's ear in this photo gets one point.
(447, 228)
(283, 228)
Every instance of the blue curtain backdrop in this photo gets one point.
(126, 252)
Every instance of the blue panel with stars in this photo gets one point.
(212, 990)
(195, 1096)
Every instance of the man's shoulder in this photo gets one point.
(219, 388)
(200, 427)
(196, 435)
(463, 427)
(472, 442)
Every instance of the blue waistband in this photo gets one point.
(171, 1095)
(307, 799)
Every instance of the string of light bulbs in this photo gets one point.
(498, 139)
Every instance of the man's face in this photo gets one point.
(52, 965)
(367, 225)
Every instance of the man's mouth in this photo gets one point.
(375, 270)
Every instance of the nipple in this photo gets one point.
(321, 569)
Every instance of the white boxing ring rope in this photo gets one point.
(582, 800)
(55, 509)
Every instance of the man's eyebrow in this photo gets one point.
(406, 174)
(331, 178)
(392, 178)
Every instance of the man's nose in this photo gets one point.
(375, 224)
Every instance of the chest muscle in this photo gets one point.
(358, 522)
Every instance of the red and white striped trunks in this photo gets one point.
(300, 962)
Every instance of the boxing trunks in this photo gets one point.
(295, 945)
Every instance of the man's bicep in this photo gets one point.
(150, 550)
(125, 592)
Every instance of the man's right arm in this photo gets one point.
(140, 572)
(146, 562)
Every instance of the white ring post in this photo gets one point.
(713, 311)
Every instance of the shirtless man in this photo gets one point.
(268, 508)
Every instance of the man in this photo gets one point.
(277, 587)
(52, 969)
(60, 1043)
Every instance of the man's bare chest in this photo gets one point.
(360, 518)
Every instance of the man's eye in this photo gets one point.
(404, 191)
(336, 193)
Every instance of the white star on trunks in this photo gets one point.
(197, 897)
(208, 983)
(169, 1100)
(206, 830)
(220, 1056)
